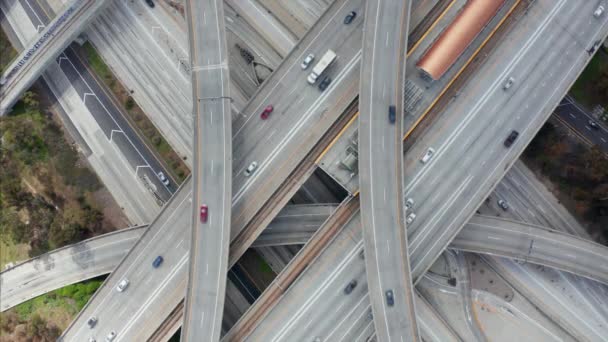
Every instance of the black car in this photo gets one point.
(349, 288)
(391, 114)
(325, 83)
(150, 3)
(157, 261)
(350, 17)
(390, 299)
(92, 322)
(511, 138)
(593, 124)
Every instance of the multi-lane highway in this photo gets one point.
(381, 99)
(42, 51)
(448, 189)
(541, 14)
(295, 224)
(212, 185)
(307, 110)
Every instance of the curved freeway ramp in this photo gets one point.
(381, 109)
(212, 174)
(534, 244)
(100, 255)
(64, 266)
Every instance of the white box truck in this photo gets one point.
(328, 58)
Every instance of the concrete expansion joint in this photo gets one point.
(215, 98)
(210, 67)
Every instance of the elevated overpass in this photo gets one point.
(212, 174)
(278, 152)
(492, 236)
(303, 304)
(97, 256)
(381, 90)
(42, 51)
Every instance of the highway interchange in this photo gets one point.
(445, 195)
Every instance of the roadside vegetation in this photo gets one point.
(578, 172)
(46, 190)
(7, 53)
(591, 87)
(136, 115)
(44, 318)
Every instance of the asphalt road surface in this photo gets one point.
(581, 122)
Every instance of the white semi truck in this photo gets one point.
(328, 58)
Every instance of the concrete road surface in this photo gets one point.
(381, 171)
(212, 176)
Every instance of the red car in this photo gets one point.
(204, 213)
(266, 112)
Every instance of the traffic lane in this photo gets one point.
(144, 278)
(115, 33)
(330, 33)
(576, 107)
(85, 84)
(313, 281)
(210, 239)
(454, 120)
(483, 145)
(292, 97)
(545, 203)
(540, 81)
(580, 122)
(296, 104)
(140, 258)
(106, 112)
(388, 264)
(284, 156)
(323, 295)
(472, 157)
(49, 272)
(536, 245)
(460, 139)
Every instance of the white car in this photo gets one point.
(508, 83)
(409, 203)
(410, 218)
(251, 168)
(163, 178)
(122, 285)
(111, 336)
(306, 62)
(598, 11)
(428, 155)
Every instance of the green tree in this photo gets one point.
(30, 99)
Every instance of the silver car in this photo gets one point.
(111, 336)
(410, 218)
(428, 155)
(409, 203)
(122, 285)
(163, 178)
(251, 168)
(503, 204)
(306, 62)
(508, 83)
